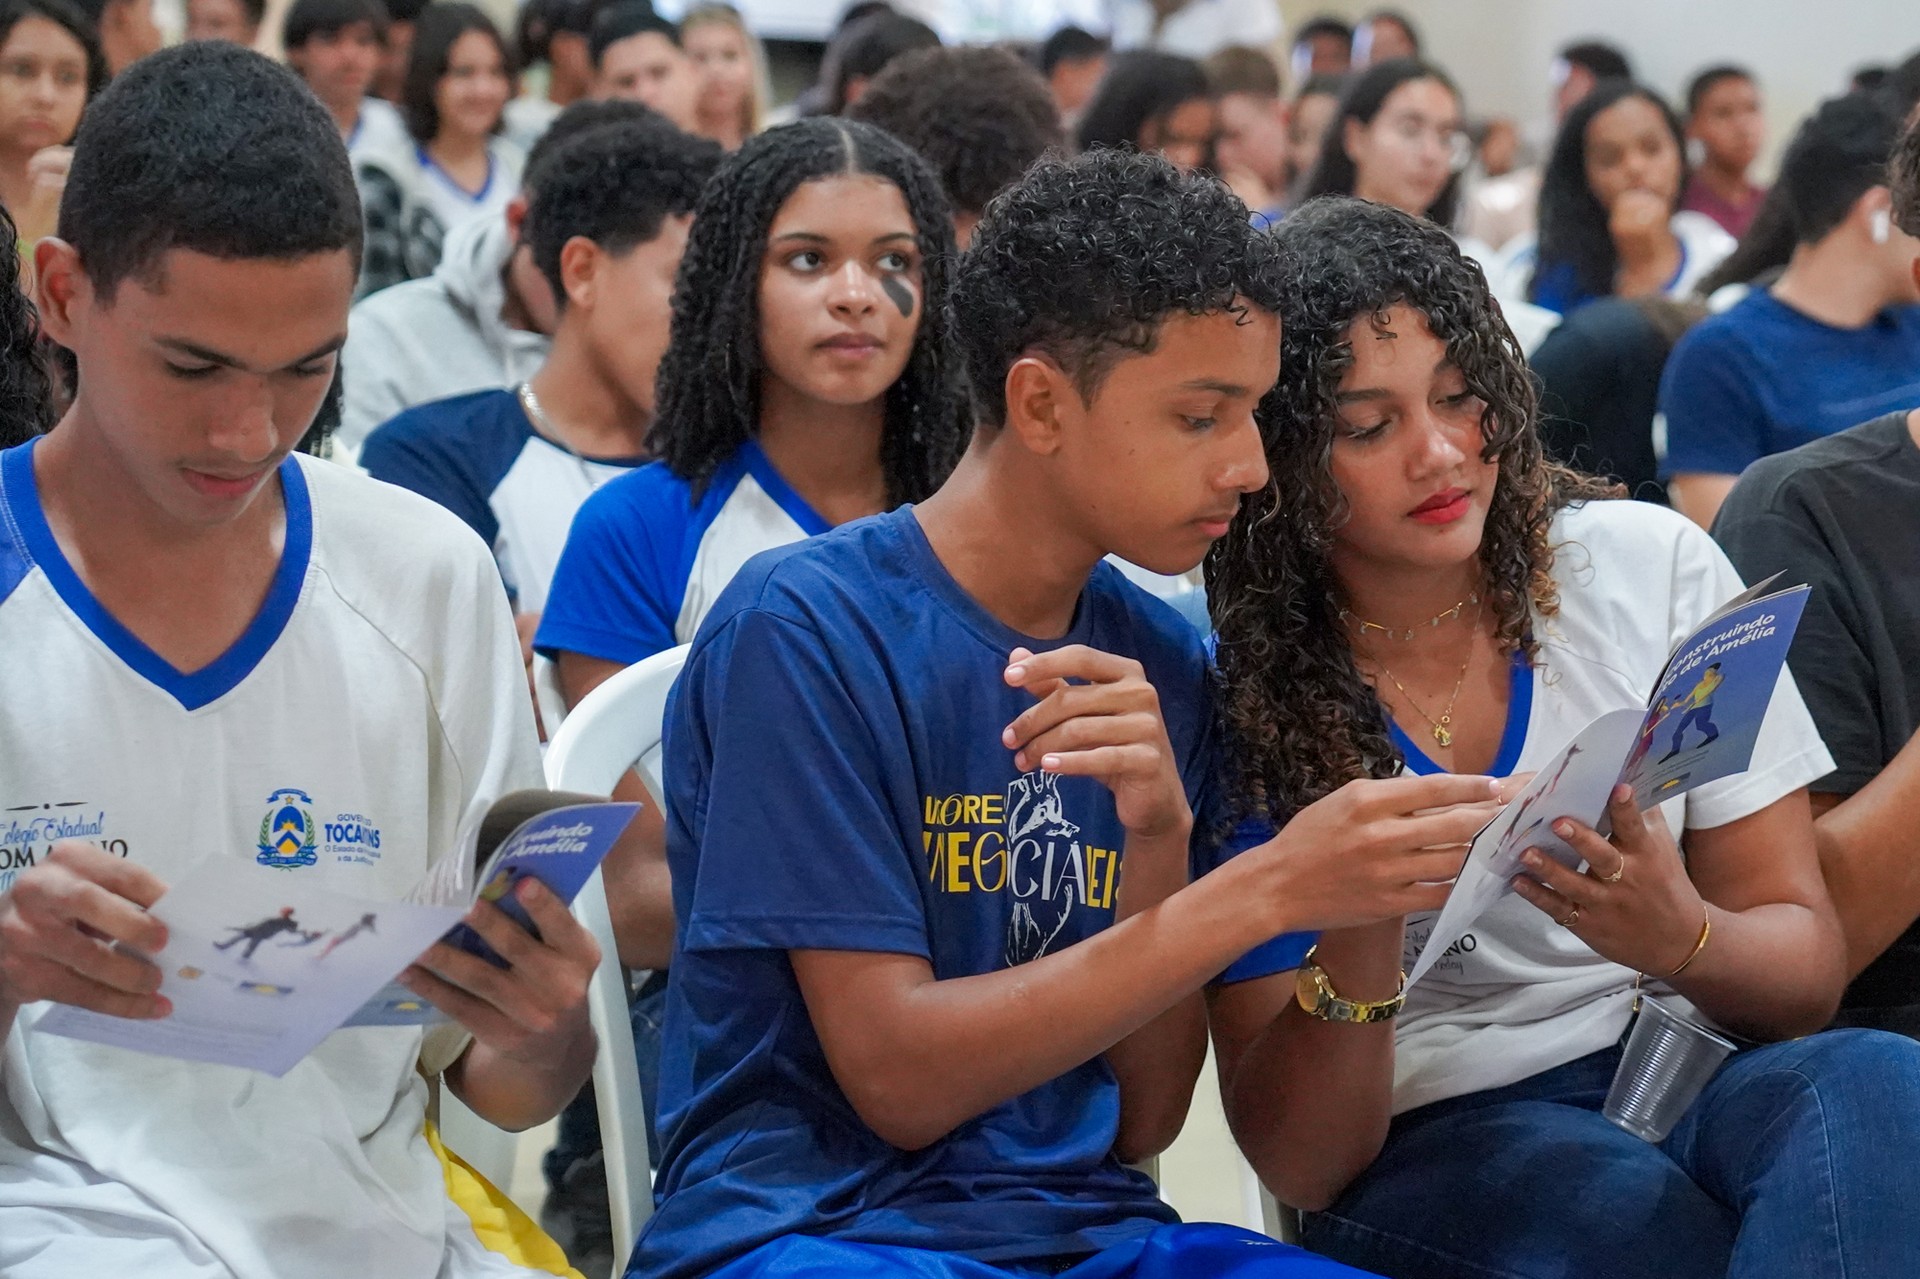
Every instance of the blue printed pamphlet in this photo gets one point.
(1699, 724)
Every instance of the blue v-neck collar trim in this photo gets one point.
(776, 487)
(1513, 738)
(219, 677)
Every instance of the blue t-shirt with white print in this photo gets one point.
(647, 557)
(837, 781)
(479, 456)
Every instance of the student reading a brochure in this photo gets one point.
(919, 1015)
(1419, 588)
(212, 650)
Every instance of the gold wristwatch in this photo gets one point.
(1316, 995)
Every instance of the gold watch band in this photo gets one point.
(1316, 995)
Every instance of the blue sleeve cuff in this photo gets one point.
(1281, 955)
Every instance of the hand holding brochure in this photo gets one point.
(261, 964)
(1699, 725)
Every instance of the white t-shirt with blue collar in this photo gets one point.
(646, 557)
(375, 701)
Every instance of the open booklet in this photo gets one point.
(261, 964)
(1699, 725)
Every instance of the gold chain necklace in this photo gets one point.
(1473, 597)
(1442, 727)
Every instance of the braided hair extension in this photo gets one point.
(1301, 719)
(709, 388)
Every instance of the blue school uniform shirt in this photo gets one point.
(479, 456)
(647, 556)
(1763, 378)
(836, 780)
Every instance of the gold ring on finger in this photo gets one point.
(1618, 872)
(1573, 917)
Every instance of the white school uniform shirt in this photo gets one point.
(380, 130)
(1517, 994)
(452, 203)
(646, 557)
(378, 695)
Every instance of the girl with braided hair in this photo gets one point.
(1417, 589)
(807, 383)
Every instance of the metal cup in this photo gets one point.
(1667, 1061)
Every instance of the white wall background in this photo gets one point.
(1801, 50)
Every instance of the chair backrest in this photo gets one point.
(547, 695)
(614, 728)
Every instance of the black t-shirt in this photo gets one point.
(1843, 514)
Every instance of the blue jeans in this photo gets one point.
(579, 1133)
(1799, 1159)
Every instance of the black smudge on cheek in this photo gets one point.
(901, 295)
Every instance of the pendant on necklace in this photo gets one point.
(1440, 733)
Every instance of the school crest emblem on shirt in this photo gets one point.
(287, 836)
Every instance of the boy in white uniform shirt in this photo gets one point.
(199, 626)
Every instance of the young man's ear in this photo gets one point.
(61, 288)
(1042, 403)
(516, 215)
(1873, 211)
(580, 261)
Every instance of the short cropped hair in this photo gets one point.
(615, 185)
(1070, 44)
(310, 18)
(870, 46)
(1704, 83)
(1239, 68)
(1903, 175)
(1599, 58)
(1839, 154)
(623, 21)
(578, 118)
(1084, 259)
(980, 116)
(1324, 25)
(212, 148)
(541, 20)
(435, 32)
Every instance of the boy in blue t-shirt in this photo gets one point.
(1834, 341)
(942, 810)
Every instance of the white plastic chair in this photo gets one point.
(547, 695)
(615, 728)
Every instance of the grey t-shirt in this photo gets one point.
(1843, 514)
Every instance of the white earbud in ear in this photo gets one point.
(1882, 226)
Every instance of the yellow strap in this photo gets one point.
(497, 1221)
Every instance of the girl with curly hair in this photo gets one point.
(1417, 589)
(807, 383)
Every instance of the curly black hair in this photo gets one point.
(614, 185)
(709, 387)
(1573, 223)
(1903, 176)
(1084, 258)
(1301, 719)
(26, 394)
(979, 116)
